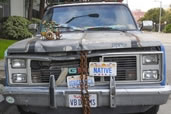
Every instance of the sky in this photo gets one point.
(145, 5)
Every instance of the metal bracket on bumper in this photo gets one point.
(112, 92)
(52, 95)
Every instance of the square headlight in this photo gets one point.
(150, 59)
(150, 75)
(19, 78)
(18, 63)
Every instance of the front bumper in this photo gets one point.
(125, 96)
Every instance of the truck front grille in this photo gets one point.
(126, 67)
(41, 70)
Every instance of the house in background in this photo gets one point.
(4, 8)
(138, 14)
(17, 8)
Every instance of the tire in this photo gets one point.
(152, 110)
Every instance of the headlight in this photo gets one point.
(19, 78)
(18, 63)
(150, 75)
(150, 59)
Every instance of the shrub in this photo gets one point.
(15, 27)
(1, 21)
(167, 29)
(36, 21)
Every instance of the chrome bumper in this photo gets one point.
(125, 96)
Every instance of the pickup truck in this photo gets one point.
(90, 58)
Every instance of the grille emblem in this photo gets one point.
(72, 70)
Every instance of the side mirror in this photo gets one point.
(147, 25)
(33, 27)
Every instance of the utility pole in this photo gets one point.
(160, 16)
(159, 28)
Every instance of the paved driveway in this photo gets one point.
(166, 40)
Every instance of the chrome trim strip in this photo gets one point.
(48, 58)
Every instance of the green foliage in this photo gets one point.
(167, 17)
(167, 28)
(15, 27)
(153, 14)
(4, 45)
(36, 21)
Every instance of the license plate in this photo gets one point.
(102, 68)
(74, 81)
(75, 100)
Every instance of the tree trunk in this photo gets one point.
(41, 9)
(30, 9)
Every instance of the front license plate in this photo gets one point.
(75, 100)
(103, 68)
(74, 81)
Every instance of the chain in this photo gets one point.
(84, 83)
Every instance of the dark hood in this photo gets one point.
(90, 40)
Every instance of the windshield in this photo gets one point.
(89, 16)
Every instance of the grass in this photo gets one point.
(4, 45)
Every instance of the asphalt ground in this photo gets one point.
(166, 40)
(164, 109)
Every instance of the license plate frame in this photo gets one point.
(74, 81)
(102, 68)
(75, 100)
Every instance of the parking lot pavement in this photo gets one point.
(2, 64)
(1, 77)
(8, 109)
(166, 108)
(163, 37)
(2, 74)
(1, 97)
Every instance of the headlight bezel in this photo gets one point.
(150, 72)
(150, 56)
(19, 75)
(151, 67)
(21, 61)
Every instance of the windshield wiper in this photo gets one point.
(69, 27)
(94, 15)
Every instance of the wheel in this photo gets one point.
(152, 110)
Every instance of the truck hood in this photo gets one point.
(89, 40)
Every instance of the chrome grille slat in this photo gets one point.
(125, 64)
(41, 70)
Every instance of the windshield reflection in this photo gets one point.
(84, 17)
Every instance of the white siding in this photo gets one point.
(17, 8)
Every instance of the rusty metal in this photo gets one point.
(137, 38)
(84, 83)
